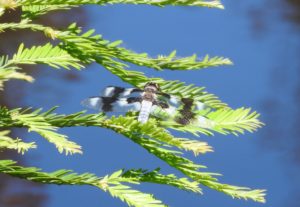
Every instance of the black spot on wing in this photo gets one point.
(108, 103)
(185, 114)
(117, 91)
(135, 90)
(187, 103)
(133, 99)
(185, 118)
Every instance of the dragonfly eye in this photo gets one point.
(150, 89)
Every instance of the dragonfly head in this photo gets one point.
(151, 87)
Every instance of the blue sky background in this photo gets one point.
(247, 160)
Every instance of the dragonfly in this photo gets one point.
(148, 101)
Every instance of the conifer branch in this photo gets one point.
(110, 183)
(47, 54)
(16, 144)
(92, 52)
(150, 129)
(12, 73)
(33, 11)
(25, 24)
(138, 133)
(154, 176)
(134, 197)
(103, 48)
(235, 121)
(36, 122)
(77, 48)
(90, 48)
(221, 121)
(153, 131)
(185, 165)
(99, 47)
(160, 3)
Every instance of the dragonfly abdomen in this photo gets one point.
(145, 111)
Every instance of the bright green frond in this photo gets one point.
(37, 123)
(95, 46)
(161, 3)
(257, 195)
(110, 183)
(235, 121)
(60, 177)
(156, 177)
(16, 144)
(151, 130)
(74, 50)
(142, 134)
(133, 197)
(180, 163)
(48, 54)
(33, 11)
(12, 73)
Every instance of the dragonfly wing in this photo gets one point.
(180, 110)
(111, 104)
(119, 92)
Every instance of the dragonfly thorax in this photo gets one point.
(150, 91)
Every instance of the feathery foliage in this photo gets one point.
(16, 144)
(12, 73)
(34, 11)
(149, 136)
(77, 49)
(36, 123)
(161, 3)
(112, 183)
(47, 54)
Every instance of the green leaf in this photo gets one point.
(16, 144)
(161, 3)
(134, 197)
(47, 54)
(155, 177)
(12, 73)
(186, 166)
(33, 11)
(156, 142)
(113, 53)
(38, 124)
(111, 183)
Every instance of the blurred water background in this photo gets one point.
(262, 39)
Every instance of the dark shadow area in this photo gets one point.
(281, 110)
(15, 192)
